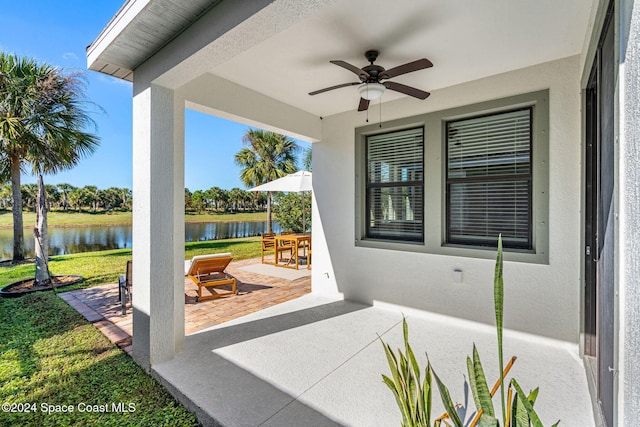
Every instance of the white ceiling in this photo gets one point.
(282, 48)
(465, 40)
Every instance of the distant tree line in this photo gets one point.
(68, 197)
(217, 199)
(91, 198)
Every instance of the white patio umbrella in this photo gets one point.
(294, 182)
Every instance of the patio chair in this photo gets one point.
(207, 271)
(125, 283)
(269, 245)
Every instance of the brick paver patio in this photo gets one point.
(100, 304)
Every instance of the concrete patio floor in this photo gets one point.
(276, 355)
(314, 361)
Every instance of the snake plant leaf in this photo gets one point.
(478, 384)
(389, 382)
(402, 371)
(426, 396)
(533, 416)
(472, 384)
(412, 375)
(412, 398)
(446, 401)
(487, 420)
(519, 415)
(498, 296)
(410, 354)
(393, 363)
(398, 395)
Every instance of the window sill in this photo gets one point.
(512, 255)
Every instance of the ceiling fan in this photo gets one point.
(371, 75)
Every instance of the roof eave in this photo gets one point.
(101, 46)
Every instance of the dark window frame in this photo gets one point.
(433, 124)
(418, 184)
(490, 179)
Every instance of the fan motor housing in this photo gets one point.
(371, 55)
(374, 73)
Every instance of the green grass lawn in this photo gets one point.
(105, 266)
(50, 355)
(62, 219)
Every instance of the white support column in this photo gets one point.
(158, 224)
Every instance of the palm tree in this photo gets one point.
(188, 199)
(53, 195)
(219, 197)
(267, 156)
(307, 159)
(76, 198)
(5, 196)
(65, 189)
(29, 194)
(42, 125)
(236, 198)
(16, 77)
(197, 200)
(61, 143)
(126, 195)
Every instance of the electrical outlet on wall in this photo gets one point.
(457, 275)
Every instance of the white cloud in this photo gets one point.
(70, 55)
(113, 80)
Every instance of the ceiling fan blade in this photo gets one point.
(315, 92)
(364, 104)
(409, 67)
(361, 73)
(407, 90)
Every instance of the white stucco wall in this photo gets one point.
(628, 348)
(539, 298)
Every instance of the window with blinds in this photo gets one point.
(489, 180)
(395, 185)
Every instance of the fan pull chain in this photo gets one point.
(367, 87)
(380, 122)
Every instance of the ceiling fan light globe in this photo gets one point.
(371, 91)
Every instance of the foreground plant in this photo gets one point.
(414, 397)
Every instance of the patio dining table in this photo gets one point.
(297, 241)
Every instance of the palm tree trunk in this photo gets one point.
(18, 233)
(269, 212)
(41, 234)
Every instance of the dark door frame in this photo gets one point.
(599, 226)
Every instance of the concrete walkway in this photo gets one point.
(100, 304)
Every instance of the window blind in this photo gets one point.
(394, 196)
(489, 179)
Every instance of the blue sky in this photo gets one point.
(58, 32)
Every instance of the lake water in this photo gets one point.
(71, 240)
